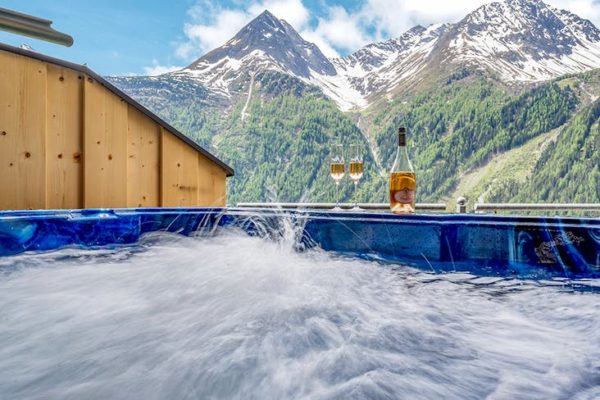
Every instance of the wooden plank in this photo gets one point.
(179, 175)
(143, 160)
(22, 132)
(105, 147)
(9, 126)
(64, 167)
(220, 186)
(211, 183)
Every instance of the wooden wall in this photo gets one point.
(68, 142)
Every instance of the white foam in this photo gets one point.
(240, 317)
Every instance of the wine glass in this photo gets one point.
(356, 169)
(337, 169)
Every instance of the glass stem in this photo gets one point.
(355, 198)
(337, 194)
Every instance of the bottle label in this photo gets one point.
(403, 187)
(404, 196)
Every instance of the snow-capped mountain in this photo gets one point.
(521, 41)
(380, 67)
(525, 40)
(266, 43)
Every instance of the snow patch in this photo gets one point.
(340, 90)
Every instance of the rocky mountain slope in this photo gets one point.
(521, 41)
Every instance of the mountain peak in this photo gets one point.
(267, 19)
(267, 14)
(530, 22)
(520, 3)
(265, 43)
(526, 40)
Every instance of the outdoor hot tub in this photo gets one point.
(257, 304)
(483, 244)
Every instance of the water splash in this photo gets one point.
(284, 227)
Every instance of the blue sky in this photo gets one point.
(128, 37)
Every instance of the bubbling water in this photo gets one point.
(239, 317)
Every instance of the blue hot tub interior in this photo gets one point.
(481, 244)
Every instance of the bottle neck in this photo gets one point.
(402, 162)
(402, 140)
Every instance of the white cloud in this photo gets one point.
(157, 69)
(209, 36)
(322, 43)
(335, 29)
(341, 30)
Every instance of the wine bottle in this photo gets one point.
(403, 180)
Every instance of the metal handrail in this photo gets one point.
(28, 25)
(536, 207)
(439, 207)
(344, 206)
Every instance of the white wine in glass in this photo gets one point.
(356, 169)
(337, 170)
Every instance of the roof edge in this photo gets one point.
(84, 69)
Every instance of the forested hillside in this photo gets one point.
(277, 138)
(462, 123)
(569, 169)
(280, 148)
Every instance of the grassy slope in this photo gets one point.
(515, 165)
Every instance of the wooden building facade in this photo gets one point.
(69, 139)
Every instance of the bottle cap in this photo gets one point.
(402, 130)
